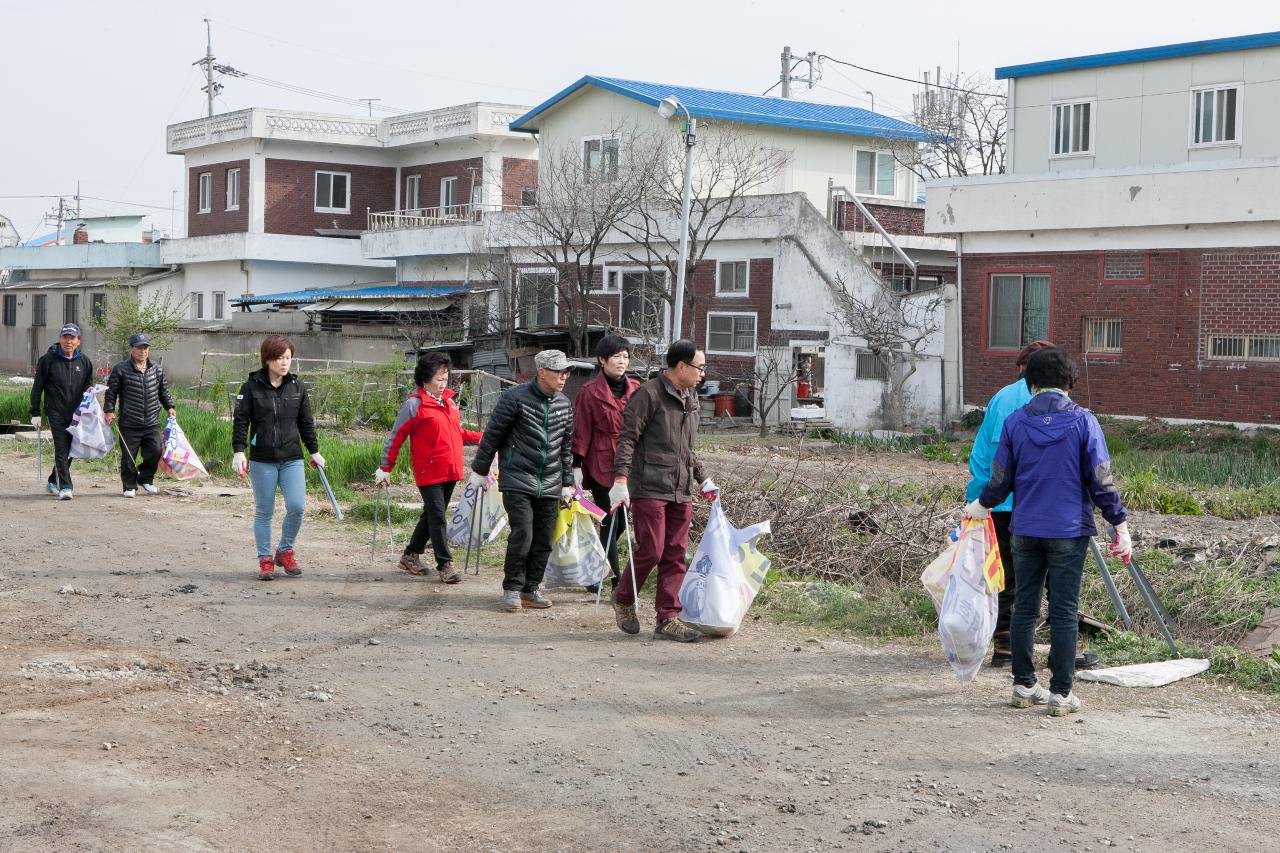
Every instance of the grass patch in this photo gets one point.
(885, 612)
(1226, 664)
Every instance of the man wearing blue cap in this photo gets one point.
(63, 374)
(140, 388)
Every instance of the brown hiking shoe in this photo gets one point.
(625, 615)
(448, 574)
(675, 629)
(411, 563)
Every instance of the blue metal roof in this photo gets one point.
(748, 109)
(302, 297)
(1146, 54)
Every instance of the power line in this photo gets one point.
(303, 90)
(897, 77)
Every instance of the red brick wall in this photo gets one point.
(291, 196)
(517, 174)
(894, 219)
(218, 220)
(432, 173)
(1162, 371)
(759, 300)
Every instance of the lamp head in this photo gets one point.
(667, 108)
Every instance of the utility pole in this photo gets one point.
(370, 102)
(785, 75)
(210, 87)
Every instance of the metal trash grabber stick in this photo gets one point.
(631, 555)
(613, 519)
(377, 511)
(475, 529)
(328, 490)
(1110, 584)
(1149, 597)
(40, 457)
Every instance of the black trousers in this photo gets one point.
(600, 495)
(532, 521)
(135, 441)
(60, 475)
(433, 522)
(1004, 612)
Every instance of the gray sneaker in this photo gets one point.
(1060, 706)
(535, 600)
(150, 489)
(674, 629)
(1025, 697)
(511, 600)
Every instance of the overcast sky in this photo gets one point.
(88, 87)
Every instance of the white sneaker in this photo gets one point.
(64, 495)
(1060, 706)
(127, 493)
(1025, 697)
(150, 489)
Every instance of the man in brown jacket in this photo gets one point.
(657, 474)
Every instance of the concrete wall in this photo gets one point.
(1142, 112)
(182, 361)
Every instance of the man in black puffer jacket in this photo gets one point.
(531, 432)
(63, 374)
(140, 388)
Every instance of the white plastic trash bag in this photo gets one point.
(967, 614)
(725, 575)
(577, 556)
(463, 529)
(178, 456)
(90, 435)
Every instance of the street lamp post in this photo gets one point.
(667, 108)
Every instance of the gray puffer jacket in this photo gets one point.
(532, 436)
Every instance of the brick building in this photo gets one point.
(1139, 228)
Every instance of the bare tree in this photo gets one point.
(895, 327)
(421, 326)
(966, 121)
(730, 167)
(772, 376)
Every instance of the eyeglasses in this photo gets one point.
(701, 368)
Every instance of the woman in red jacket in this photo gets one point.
(597, 420)
(433, 423)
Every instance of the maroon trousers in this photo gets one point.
(661, 530)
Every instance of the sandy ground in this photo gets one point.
(172, 702)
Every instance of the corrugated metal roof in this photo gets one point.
(1145, 54)
(740, 107)
(302, 297)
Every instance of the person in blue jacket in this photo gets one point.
(1006, 401)
(1053, 454)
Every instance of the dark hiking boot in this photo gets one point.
(448, 574)
(534, 600)
(625, 616)
(1003, 653)
(674, 629)
(412, 563)
(1087, 660)
(266, 569)
(288, 562)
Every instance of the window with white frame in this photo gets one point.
(413, 192)
(731, 278)
(448, 193)
(333, 192)
(731, 334)
(1215, 115)
(71, 308)
(642, 307)
(204, 193)
(1072, 128)
(219, 305)
(1101, 334)
(233, 189)
(600, 155)
(528, 196)
(197, 306)
(537, 299)
(1018, 310)
(874, 173)
(610, 283)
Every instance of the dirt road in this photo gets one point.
(359, 708)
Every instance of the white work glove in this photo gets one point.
(317, 461)
(239, 464)
(619, 495)
(1122, 547)
(709, 490)
(567, 494)
(35, 422)
(577, 478)
(381, 478)
(976, 511)
(480, 481)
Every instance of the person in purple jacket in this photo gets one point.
(1053, 455)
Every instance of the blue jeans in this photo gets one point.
(1061, 562)
(291, 478)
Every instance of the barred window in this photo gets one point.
(869, 366)
(1102, 334)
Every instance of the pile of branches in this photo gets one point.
(826, 524)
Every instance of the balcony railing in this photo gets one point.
(429, 217)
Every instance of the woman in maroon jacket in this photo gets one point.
(430, 419)
(597, 420)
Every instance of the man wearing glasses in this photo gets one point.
(657, 474)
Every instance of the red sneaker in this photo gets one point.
(285, 559)
(266, 569)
